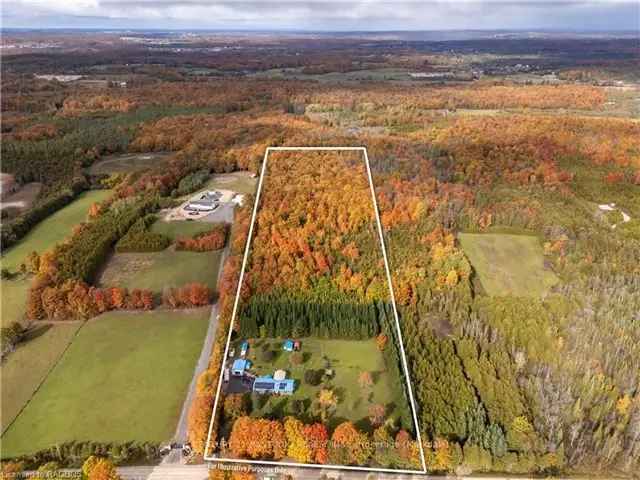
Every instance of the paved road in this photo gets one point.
(165, 472)
(203, 362)
(200, 472)
(224, 213)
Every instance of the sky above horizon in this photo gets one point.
(330, 15)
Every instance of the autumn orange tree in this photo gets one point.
(349, 445)
(258, 438)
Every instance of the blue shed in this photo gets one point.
(288, 346)
(240, 366)
(244, 347)
(269, 385)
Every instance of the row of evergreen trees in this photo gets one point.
(393, 363)
(275, 315)
(73, 454)
(85, 251)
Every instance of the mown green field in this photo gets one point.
(348, 359)
(156, 270)
(123, 378)
(239, 182)
(508, 264)
(27, 366)
(52, 230)
(13, 298)
(180, 228)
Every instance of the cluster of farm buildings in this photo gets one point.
(240, 378)
(210, 200)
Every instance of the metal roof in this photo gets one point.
(241, 364)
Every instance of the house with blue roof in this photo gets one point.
(268, 384)
(240, 366)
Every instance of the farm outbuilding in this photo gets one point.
(291, 346)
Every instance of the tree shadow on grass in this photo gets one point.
(35, 332)
(333, 422)
(364, 425)
(279, 409)
(389, 408)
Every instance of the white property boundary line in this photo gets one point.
(395, 314)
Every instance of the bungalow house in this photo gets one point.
(240, 366)
(268, 384)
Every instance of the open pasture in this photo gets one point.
(508, 264)
(123, 378)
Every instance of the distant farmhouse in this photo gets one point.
(8, 184)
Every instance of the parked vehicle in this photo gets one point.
(186, 450)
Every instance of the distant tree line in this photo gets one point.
(74, 454)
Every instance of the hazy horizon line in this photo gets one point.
(320, 30)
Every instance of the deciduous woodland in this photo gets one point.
(515, 370)
(306, 278)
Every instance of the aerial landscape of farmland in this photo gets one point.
(351, 251)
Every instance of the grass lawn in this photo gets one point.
(130, 162)
(13, 298)
(239, 182)
(26, 367)
(508, 264)
(155, 270)
(123, 378)
(348, 359)
(52, 230)
(180, 228)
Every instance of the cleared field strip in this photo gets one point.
(157, 270)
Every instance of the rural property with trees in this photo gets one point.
(505, 168)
